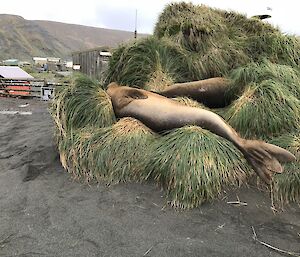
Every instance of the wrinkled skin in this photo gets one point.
(160, 113)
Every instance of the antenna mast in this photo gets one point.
(135, 31)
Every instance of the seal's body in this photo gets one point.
(210, 92)
(160, 113)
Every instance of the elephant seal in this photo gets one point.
(160, 113)
(210, 92)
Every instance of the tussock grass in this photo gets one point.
(190, 102)
(217, 61)
(286, 186)
(113, 154)
(268, 103)
(137, 63)
(278, 48)
(159, 80)
(82, 103)
(193, 165)
(194, 42)
(264, 110)
(290, 141)
(193, 26)
(256, 72)
(74, 149)
(239, 25)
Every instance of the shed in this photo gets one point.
(39, 60)
(53, 60)
(12, 72)
(11, 62)
(92, 62)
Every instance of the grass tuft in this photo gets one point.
(286, 186)
(264, 110)
(83, 103)
(193, 165)
(138, 63)
(113, 154)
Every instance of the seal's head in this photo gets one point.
(111, 88)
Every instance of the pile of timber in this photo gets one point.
(27, 88)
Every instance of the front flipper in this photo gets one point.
(128, 95)
(136, 93)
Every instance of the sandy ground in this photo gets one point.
(44, 212)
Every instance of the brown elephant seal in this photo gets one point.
(160, 113)
(210, 92)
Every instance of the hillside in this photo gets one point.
(22, 39)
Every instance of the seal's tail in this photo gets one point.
(265, 158)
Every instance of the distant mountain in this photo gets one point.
(23, 39)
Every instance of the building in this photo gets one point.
(92, 62)
(39, 61)
(49, 63)
(14, 73)
(54, 64)
(14, 81)
(11, 62)
(69, 65)
(55, 60)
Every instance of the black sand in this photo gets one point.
(44, 212)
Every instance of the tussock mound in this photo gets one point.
(286, 186)
(194, 165)
(265, 109)
(190, 42)
(83, 103)
(113, 154)
(148, 61)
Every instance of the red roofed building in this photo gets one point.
(14, 81)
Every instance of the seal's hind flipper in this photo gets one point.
(279, 153)
(265, 158)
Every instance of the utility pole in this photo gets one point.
(135, 31)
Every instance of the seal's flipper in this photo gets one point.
(265, 158)
(279, 153)
(128, 95)
(121, 103)
(136, 94)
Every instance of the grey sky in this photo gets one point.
(117, 14)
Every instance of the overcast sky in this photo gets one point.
(118, 14)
